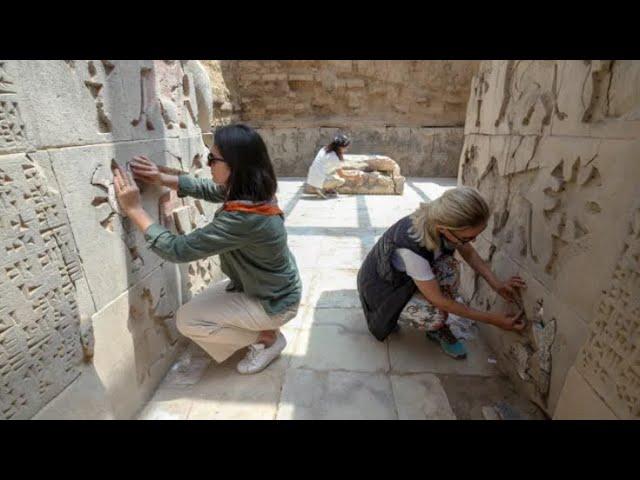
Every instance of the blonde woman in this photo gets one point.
(411, 276)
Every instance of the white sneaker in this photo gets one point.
(259, 357)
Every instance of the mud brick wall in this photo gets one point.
(553, 146)
(412, 111)
(87, 313)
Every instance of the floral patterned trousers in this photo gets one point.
(419, 312)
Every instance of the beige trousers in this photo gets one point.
(224, 322)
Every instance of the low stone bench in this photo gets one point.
(371, 175)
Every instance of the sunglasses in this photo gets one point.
(462, 240)
(211, 159)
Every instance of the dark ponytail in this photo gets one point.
(338, 142)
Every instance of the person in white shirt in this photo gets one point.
(325, 174)
(411, 276)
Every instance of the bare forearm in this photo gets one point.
(476, 262)
(431, 291)
(170, 181)
(140, 218)
(460, 309)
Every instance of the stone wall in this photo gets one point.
(553, 146)
(87, 325)
(292, 150)
(412, 111)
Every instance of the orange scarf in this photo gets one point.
(258, 208)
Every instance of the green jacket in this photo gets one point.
(253, 248)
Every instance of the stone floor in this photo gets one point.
(332, 367)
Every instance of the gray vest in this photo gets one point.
(383, 290)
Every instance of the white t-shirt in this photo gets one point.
(322, 165)
(404, 260)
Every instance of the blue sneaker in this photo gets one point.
(448, 342)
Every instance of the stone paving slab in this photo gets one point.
(337, 348)
(309, 394)
(411, 352)
(335, 289)
(421, 397)
(342, 258)
(224, 394)
(469, 394)
(348, 319)
(168, 404)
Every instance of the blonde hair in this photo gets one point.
(457, 208)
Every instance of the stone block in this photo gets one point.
(543, 365)
(222, 394)
(552, 146)
(137, 341)
(421, 397)
(307, 394)
(113, 251)
(40, 338)
(411, 352)
(84, 399)
(608, 360)
(71, 261)
(371, 175)
(333, 347)
(598, 99)
(578, 401)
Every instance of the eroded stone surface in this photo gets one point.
(40, 340)
(412, 111)
(78, 283)
(377, 92)
(553, 146)
(474, 397)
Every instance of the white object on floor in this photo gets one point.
(258, 357)
(462, 328)
(183, 364)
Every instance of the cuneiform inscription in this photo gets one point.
(12, 129)
(6, 84)
(39, 324)
(610, 359)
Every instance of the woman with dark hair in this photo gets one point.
(325, 174)
(264, 288)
